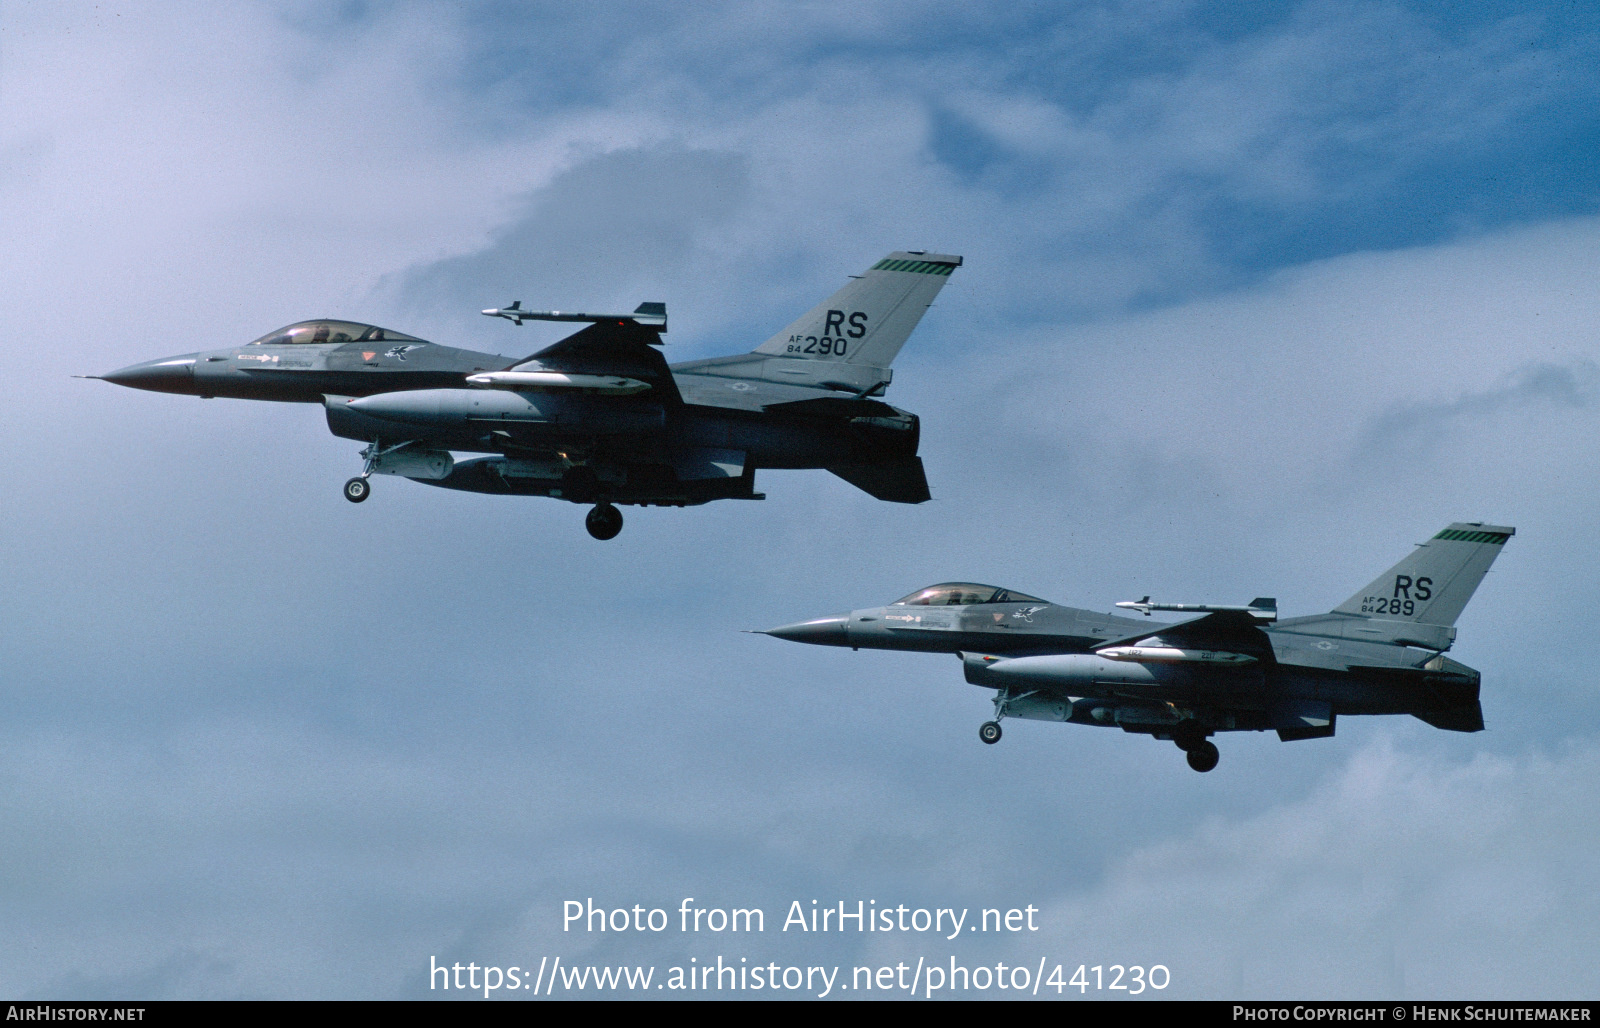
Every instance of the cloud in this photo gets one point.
(261, 742)
(1402, 876)
(1426, 424)
(625, 219)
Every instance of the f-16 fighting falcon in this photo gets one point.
(600, 417)
(1228, 669)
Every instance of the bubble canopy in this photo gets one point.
(332, 332)
(961, 594)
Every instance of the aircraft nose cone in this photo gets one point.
(828, 631)
(175, 375)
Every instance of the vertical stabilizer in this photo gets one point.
(1432, 585)
(868, 320)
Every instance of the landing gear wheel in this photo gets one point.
(1204, 757)
(357, 489)
(989, 732)
(604, 522)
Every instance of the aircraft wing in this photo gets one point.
(621, 349)
(1226, 631)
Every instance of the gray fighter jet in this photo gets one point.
(600, 417)
(1230, 669)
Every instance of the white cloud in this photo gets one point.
(1401, 876)
(253, 731)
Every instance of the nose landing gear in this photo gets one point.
(360, 487)
(604, 522)
(989, 731)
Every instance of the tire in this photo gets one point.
(1204, 757)
(357, 489)
(604, 522)
(989, 732)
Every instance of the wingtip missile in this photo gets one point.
(650, 315)
(1262, 608)
(513, 313)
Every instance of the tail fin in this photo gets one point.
(868, 320)
(1432, 585)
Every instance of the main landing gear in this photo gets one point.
(604, 522)
(357, 489)
(1190, 737)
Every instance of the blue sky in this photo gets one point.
(1255, 297)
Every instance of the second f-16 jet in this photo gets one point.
(1226, 669)
(600, 417)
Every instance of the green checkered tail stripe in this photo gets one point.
(920, 267)
(1460, 536)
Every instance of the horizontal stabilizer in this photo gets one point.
(1454, 719)
(900, 481)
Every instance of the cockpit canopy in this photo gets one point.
(332, 332)
(961, 594)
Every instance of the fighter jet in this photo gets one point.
(600, 417)
(1227, 669)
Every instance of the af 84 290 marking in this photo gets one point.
(832, 342)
